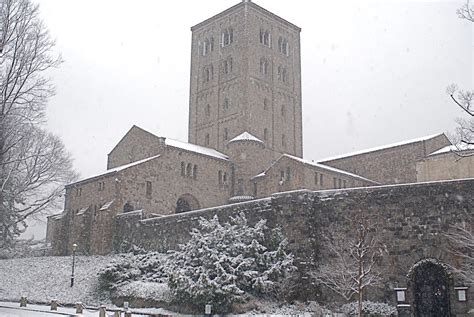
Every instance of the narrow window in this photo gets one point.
(208, 110)
(225, 105)
(195, 171)
(335, 182)
(226, 134)
(321, 179)
(315, 178)
(205, 47)
(264, 66)
(183, 169)
(282, 176)
(265, 134)
(288, 175)
(189, 170)
(283, 110)
(206, 139)
(344, 183)
(211, 44)
(240, 187)
(284, 75)
(265, 37)
(227, 37)
(224, 178)
(148, 189)
(339, 183)
(220, 177)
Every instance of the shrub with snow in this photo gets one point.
(224, 263)
(370, 309)
(148, 267)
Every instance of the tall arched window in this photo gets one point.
(183, 169)
(227, 65)
(227, 37)
(265, 37)
(195, 171)
(264, 66)
(220, 177)
(283, 46)
(225, 105)
(189, 170)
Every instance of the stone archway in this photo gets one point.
(186, 202)
(430, 288)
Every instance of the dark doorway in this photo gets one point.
(186, 202)
(430, 289)
(182, 206)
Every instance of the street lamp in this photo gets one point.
(74, 246)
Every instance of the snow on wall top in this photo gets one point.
(246, 137)
(196, 149)
(328, 168)
(114, 170)
(454, 148)
(379, 148)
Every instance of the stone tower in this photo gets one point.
(246, 77)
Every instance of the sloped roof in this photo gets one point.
(246, 137)
(318, 165)
(379, 148)
(115, 170)
(196, 149)
(462, 147)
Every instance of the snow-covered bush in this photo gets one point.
(370, 309)
(148, 267)
(223, 263)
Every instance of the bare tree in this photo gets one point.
(351, 264)
(33, 163)
(461, 240)
(464, 98)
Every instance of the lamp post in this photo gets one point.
(74, 246)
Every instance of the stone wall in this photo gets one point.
(413, 219)
(445, 166)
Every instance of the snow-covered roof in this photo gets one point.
(107, 205)
(116, 169)
(454, 148)
(379, 148)
(196, 149)
(82, 211)
(246, 137)
(328, 168)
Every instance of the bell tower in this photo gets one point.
(246, 77)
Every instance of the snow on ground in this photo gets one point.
(42, 279)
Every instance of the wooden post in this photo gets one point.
(102, 311)
(23, 301)
(79, 308)
(54, 304)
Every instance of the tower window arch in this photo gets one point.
(264, 66)
(189, 170)
(195, 171)
(226, 104)
(283, 46)
(227, 65)
(265, 37)
(183, 169)
(227, 37)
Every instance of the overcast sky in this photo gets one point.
(374, 72)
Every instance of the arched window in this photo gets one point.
(224, 178)
(264, 66)
(283, 46)
(225, 105)
(195, 171)
(227, 36)
(265, 37)
(220, 177)
(265, 134)
(189, 170)
(226, 134)
(205, 47)
(183, 169)
(206, 139)
(208, 73)
(227, 66)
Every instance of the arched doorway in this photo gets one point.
(186, 202)
(430, 289)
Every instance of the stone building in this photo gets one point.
(245, 147)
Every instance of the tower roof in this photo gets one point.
(246, 137)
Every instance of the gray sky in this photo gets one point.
(374, 72)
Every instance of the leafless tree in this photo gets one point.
(351, 264)
(464, 98)
(33, 163)
(461, 241)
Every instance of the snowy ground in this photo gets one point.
(42, 279)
